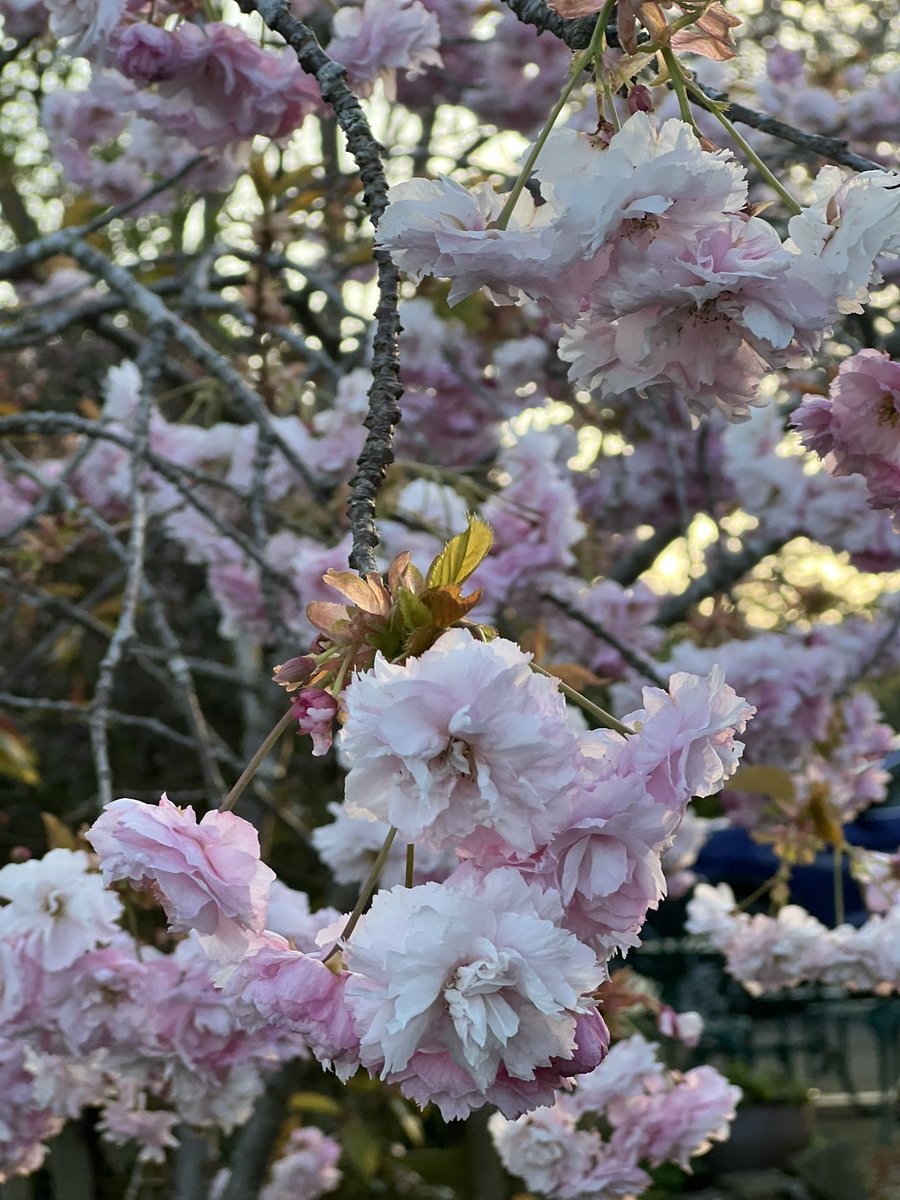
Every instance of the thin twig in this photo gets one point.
(636, 661)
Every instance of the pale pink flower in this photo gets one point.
(711, 914)
(686, 1027)
(877, 948)
(856, 429)
(879, 875)
(89, 22)
(279, 986)
(465, 736)
(153, 1130)
(473, 974)
(226, 88)
(207, 876)
(678, 1118)
(606, 862)
(768, 953)
(836, 240)
(306, 1168)
(684, 743)
(382, 37)
(706, 316)
(151, 53)
(627, 1069)
(544, 1148)
(24, 1123)
(437, 227)
(58, 908)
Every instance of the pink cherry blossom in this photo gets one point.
(476, 971)
(276, 985)
(24, 1124)
(685, 741)
(306, 1168)
(58, 907)
(606, 863)
(837, 239)
(856, 429)
(381, 37)
(461, 737)
(207, 875)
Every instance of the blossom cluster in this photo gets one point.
(643, 248)
(92, 1018)
(822, 745)
(478, 988)
(768, 953)
(654, 1115)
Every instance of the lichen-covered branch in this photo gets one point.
(386, 389)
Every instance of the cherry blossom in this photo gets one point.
(207, 875)
(473, 976)
(464, 736)
(58, 907)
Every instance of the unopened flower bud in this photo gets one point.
(315, 711)
(640, 99)
(294, 672)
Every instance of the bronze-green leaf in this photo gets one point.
(462, 554)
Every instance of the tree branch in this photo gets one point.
(386, 389)
(577, 34)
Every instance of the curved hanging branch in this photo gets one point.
(386, 389)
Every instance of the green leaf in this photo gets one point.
(462, 554)
(315, 1102)
(416, 615)
(361, 1147)
(770, 781)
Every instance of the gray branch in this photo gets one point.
(725, 572)
(386, 389)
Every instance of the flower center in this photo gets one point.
(458, 757)
(483, 1019)
(888, 411)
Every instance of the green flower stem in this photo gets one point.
(782, 875)
(581, 60)
(595, 710)
(338, 684)
(368, 888)
(255, 763)
(745, 146)
(676, 75)
(839, 913)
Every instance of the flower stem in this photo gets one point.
(255, 763)
(771, 179)
(410, 864)
(839, 914)
(581, 60)
(676, 75)
(595, 710)
(368, 888)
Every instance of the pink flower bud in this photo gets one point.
(315, 711)
(640, 99)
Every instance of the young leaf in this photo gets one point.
(462, 554)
